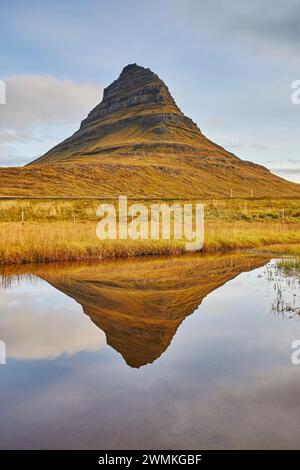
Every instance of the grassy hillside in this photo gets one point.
(172, 176)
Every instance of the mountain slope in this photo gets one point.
(137, 116)
(138, 142)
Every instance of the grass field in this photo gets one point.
(62, 230)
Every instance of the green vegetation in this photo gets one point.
(290, 266)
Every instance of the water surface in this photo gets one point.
(188, 352)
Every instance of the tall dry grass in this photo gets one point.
(57, 230)
(246, 210)
(64, 241)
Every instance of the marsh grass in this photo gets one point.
(290, 266)
(62, 241)
(59, 230)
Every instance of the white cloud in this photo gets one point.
(291, 173)
(264, 26)
(44, 99)
(45, 325)
(39, 106)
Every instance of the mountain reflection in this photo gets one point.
(140, 303)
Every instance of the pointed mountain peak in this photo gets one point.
(132, 68)
(136, 87)
(133, 71)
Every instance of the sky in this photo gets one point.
(229, 65)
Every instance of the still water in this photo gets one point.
(190, 352)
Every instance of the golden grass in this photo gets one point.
(227, 209)
(282, 249)
(224, 236)
(159, 174)
(64, 241)
(59, 230)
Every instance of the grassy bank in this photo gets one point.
(47, 231)
(62, 241)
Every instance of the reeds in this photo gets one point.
(66, 241)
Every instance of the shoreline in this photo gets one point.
(124, 252)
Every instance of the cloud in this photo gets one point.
(292, 174)
(286, 171)
(45, 325)
(45, 100)
(11, 135)
(243, 145)
(40, 111)
(10, 155)
(268, 25)
(291, 166)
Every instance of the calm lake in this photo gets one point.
(192, 352)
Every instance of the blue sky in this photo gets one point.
(229, 66)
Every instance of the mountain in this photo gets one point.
(140, 304)
(138, 142)
(137, 116)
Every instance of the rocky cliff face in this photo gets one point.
(137, 116)
(135, 86)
